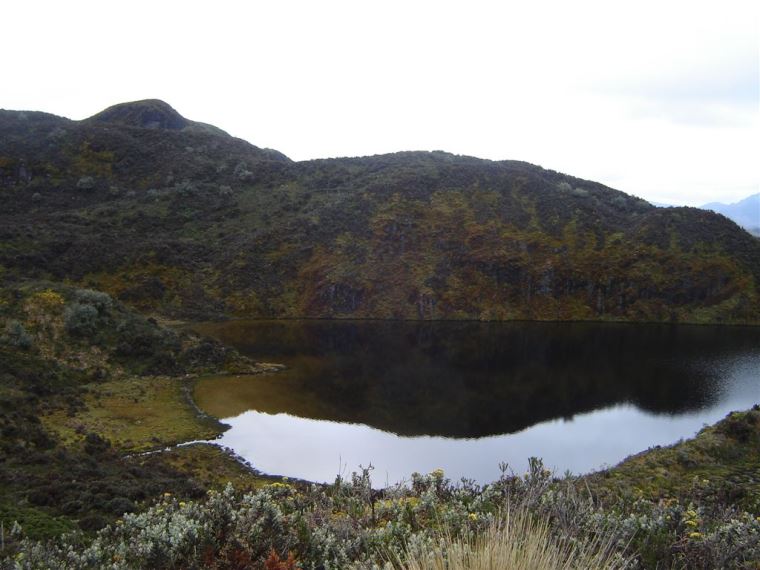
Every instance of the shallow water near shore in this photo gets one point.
(464, 397)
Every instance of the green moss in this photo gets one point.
(87, 161)
(36, 522)
(212, 467)
(134, 414)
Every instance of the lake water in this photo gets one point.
(464, 397)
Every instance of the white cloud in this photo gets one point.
(658, 99)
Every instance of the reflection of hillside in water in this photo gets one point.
(470, 379)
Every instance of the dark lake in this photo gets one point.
(465, 396)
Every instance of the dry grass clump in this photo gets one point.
(517, 541)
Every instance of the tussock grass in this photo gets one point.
(517, 541)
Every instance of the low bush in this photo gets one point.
(80, 319)
(17, 336)
(348, 525)
(101, 301)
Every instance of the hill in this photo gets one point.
(151, 114)
(177, 217)
(745, 212)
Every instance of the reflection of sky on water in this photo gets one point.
(317, 450)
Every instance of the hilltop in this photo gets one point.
(179, 218)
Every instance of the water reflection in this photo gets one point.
(318, 450)
(470, 380)
(465, 396)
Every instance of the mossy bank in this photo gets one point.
(86, 385)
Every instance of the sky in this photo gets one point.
(658, 99)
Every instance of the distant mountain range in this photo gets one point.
(746, 212)
(178, 218)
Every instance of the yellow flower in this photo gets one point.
(695, 535)
(473, 516)
(48, 298)
(692, 523)
(437, 473)
(182, 503)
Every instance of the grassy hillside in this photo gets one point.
(176, 217)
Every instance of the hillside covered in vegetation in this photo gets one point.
(85, 383)
(178, 218)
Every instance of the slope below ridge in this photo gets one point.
(189, 223)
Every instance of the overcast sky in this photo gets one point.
(658, 99)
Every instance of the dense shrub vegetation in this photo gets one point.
(350, 525)
(176, 217)
(58, 345)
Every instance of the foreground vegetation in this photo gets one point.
(513, 542)
(349, 525)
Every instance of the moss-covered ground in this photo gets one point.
(720, 464)
(212, 466)
(135, 414)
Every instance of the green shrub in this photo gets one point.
(349, 525)
(86, 183)
(94, 444)
(120, 505)
(101, 301)
(80, 320)
(16, 335)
